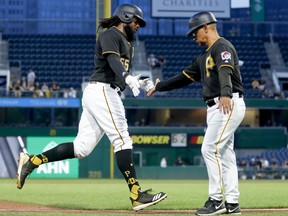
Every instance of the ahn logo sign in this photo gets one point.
(59, 169)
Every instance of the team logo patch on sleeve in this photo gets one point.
(226, 56)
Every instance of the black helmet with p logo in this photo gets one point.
(126, 12)
(198, 20)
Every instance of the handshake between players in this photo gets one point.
(134, 83)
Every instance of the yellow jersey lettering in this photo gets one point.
(209, 65)
(125, 63)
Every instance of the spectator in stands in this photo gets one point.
(273, 93)
(153, 61)
(265, 163)
(285, 164)
(261, 167)
(243, 163)
(258, 163)
(31, 76)
(270, 123)
(285, 169)
(163, 162)
(72, 93)
(37, 91)
(259, 84)
(11, 86)
(17, 89)
(262, 85)
(279, 95)
(24, 84)
(55, 88)
(141, 122)
(274, 162)
(275, 168)
(268, 93)
(179, 161)
(162, 61)
(252, 162)
(65, 93)
(46, 90)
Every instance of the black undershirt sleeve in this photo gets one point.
(175, 82)
(225, 81)
(116, 65)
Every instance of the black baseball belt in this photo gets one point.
(211, 102)
(113, 86)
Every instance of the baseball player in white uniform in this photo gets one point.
(217, 68)
(103, 110)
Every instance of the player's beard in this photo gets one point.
(129, 33)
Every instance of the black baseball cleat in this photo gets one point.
(25, 167)
(232, 208)
(145, 199)
(212, 207)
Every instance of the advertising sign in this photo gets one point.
(258, 10)
(168, 140)
(187, 8)
(195, 139)
(3, 83)
(151, 139)
(179, 139)
(40, 102)
(61, 169)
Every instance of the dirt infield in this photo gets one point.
(6, 206)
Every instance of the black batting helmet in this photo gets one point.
(126, 12)
(200, 19)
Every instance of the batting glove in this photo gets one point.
(146, 84)
(133, 83)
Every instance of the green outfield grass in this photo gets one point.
(99, 194)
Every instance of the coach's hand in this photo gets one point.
(153, 90)
(133, 83)
(146, 84)
(225, 105)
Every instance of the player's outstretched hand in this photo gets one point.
(146, 84)
(153, 90)
(133, 83)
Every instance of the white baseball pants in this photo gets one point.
(218, 150)
(103, 112)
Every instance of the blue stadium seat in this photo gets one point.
(56, 56)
